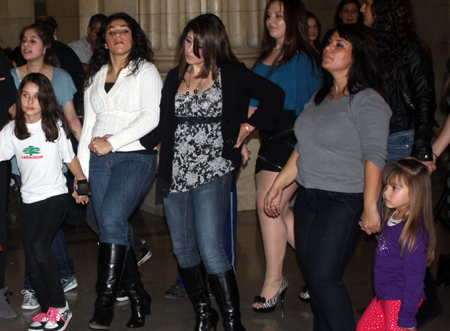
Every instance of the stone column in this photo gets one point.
(66, 13)
(13, 17)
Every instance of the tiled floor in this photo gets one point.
(160, 272)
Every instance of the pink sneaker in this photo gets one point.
(58, 318)
(39, 322)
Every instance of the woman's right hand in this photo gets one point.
(272, 202)
(245, 153)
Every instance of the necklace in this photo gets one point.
(188, 85)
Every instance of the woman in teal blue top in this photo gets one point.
(288, 60)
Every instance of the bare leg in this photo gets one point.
(276, 233)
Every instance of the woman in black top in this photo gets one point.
(204, 121)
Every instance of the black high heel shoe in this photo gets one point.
(269, 306)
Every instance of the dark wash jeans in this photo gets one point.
(196, 221)
(326, 231)
(118, 181)
(40, 223)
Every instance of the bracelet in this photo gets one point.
(247, 128)
(435, 155)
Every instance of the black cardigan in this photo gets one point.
(239, 85)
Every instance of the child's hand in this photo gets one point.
(81, 187)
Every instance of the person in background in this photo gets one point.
(347, 12)
(68, 60)
(314, 28)
(85, 46)
(287, 59)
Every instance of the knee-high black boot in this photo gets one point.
(111, 258)
(194, 279)
(225, 289)
(131, 283)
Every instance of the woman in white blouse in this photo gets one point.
(121, 105)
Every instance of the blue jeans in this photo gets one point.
(326, 232)
(196, 221)
(400, 145)
(118, 181)
(229, 236)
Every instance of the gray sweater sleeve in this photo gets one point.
(372, 114)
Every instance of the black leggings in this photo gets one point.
(40, 222)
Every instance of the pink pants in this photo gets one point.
(381, 316)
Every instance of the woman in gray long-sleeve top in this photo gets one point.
(338, 161)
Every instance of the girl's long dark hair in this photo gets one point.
(210, 32)
(296, 37)
(46, 36)
(141, 50)
(415, 175)
(337, 14)
(51, 114)
(393, 30)
(364, 72)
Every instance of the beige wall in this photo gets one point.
(164, 19)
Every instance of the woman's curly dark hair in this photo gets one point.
(393, 29)
(364, 72)
(141, 50)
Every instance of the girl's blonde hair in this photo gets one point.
(414, 174)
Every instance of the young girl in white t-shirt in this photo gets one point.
(39, 138)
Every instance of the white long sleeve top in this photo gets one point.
(128, 111)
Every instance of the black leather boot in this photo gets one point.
(194, 279)
(131, 283)
(225, 289)
(111, 258)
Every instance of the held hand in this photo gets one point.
(83, 199)
(370, 220)
(431, 165)
(245, 154)
(272, 202)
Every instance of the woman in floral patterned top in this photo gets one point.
(204, 121)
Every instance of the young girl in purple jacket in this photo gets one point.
(405, 248)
